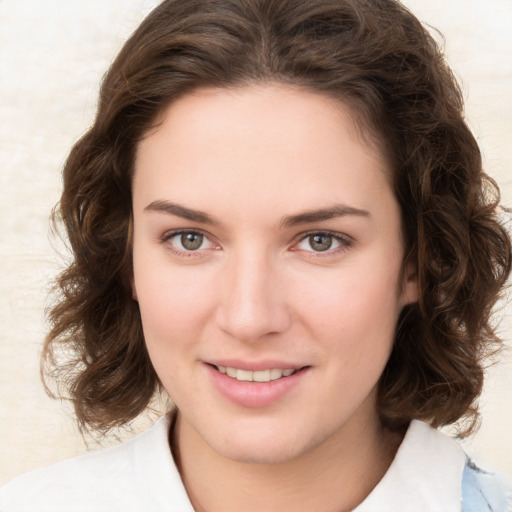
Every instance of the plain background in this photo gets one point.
(53, 54)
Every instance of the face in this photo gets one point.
(267, 266)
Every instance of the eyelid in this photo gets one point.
(168, 235)
(345, 240)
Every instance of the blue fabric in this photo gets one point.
(484, 492)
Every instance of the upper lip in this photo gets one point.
(266, 364)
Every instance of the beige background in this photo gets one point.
(52, 56)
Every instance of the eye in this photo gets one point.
(191, 241)
(188, 241)
(323, 242)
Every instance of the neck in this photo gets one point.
(336, 475)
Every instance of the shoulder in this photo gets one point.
(483, 490)
(123, 477)
(432, 471)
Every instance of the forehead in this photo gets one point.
(267, 143)
(261, 100)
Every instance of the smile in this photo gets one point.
(255, 376)
(257, 387)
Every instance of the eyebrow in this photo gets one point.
(307, 217)
(161, 206)
(333, 212)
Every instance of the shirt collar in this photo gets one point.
(425, 475)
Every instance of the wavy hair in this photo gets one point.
(376, 58)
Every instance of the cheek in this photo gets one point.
(354, 313)
(173, 309)
(173, 305)
(363, 292)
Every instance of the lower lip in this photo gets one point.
(254, 394)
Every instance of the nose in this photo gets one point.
(252, 301)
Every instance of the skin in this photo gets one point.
(253, 160)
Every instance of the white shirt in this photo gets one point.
(140, 475)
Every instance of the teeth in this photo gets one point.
(257, 376)
(244, 375)
(261, 376)
(275, 374)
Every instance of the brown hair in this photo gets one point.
(377, 58)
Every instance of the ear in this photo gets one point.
(410, 290)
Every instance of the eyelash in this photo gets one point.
(344, 242)
(167, 237)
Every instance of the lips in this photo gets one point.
(260, 386)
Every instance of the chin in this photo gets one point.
(263, 444)
(251, 453)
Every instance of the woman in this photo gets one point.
(280, 218)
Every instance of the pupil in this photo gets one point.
(191, 241)
(320, 242)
